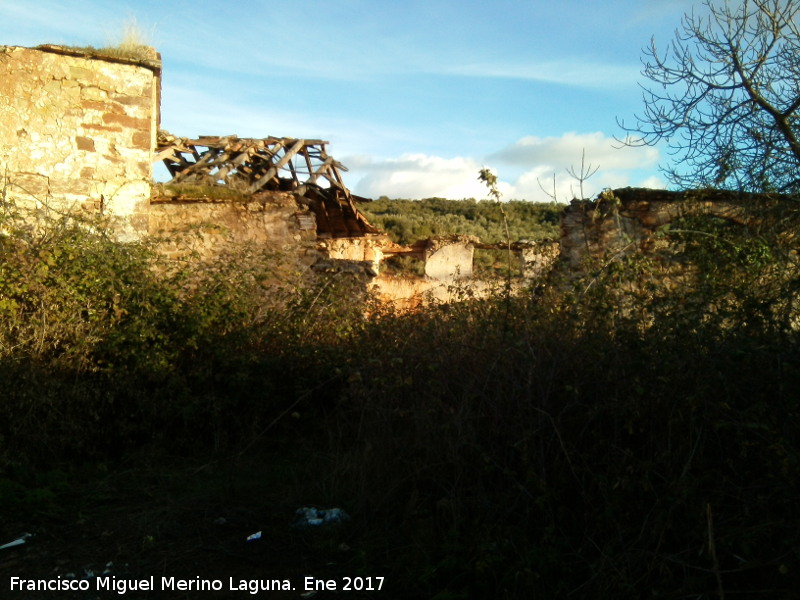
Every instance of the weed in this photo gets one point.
(625, 434)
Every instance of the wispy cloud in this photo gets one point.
(566, 150)
(50, 22)
(414, 98)
(189, 110)
(552, 165)
(577, 71)
(669, 11)
(43, 14)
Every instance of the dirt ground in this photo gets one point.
(191, 522)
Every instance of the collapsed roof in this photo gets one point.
(252, 165)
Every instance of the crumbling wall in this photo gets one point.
(205, 228)
(449, 259)
(411, 293)
(626, 219)
(537, 258)
(362, 249)
(77, 130)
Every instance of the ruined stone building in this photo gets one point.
(630, 219)
(77, 130)
(81, 130)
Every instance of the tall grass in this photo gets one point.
(604, 437)
(131, 43)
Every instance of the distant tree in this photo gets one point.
(725, 97)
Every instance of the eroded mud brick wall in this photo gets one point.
(77, 131)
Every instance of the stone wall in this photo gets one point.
(537, 258)
(627, 219)
(202, 229)
(449, 259)
(369, 249)
(410, 293)
(77, 130)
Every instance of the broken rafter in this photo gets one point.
(273, 170)
(268, 163)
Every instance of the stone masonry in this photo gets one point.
(626, 219)
(77, 130)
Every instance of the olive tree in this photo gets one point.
(724, 95)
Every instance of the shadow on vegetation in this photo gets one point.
(631, 432)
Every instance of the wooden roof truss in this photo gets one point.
(253, 165)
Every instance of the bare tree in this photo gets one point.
(554, 195)
(585, 173)
(725, 97)
(581, 176)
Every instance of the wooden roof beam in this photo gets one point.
(273, 171)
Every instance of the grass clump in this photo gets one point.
(132, 45)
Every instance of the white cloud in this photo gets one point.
(524, 168)
(532, 162)
(416, 176)
(539, 185)
(559, 153)
(653, 182)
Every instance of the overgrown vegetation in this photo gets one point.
(626, 434)
(132, 44)
(407, 221)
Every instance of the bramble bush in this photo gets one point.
(624, 433)
(628, 432)
(106, 347)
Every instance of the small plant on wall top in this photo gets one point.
(131, 44)
(490, 180)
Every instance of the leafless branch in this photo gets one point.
(723, 97)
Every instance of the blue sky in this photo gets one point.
(414, 96)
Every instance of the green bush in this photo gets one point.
(104, 347)
(407, 221)
(627, 433)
